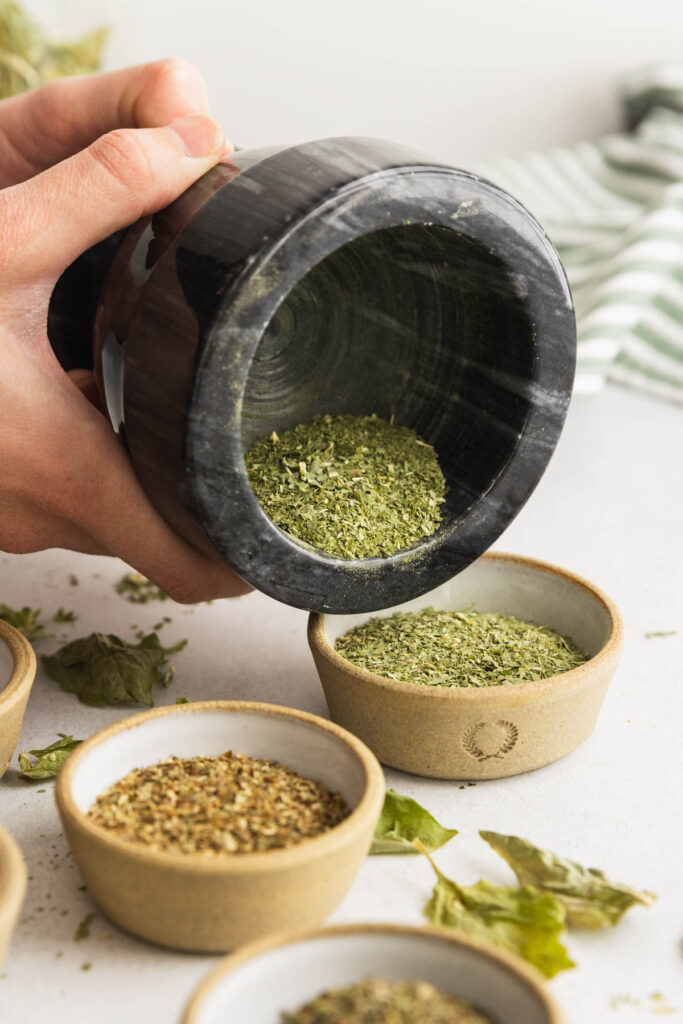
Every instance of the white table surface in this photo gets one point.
(609, 508)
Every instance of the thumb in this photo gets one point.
(124, 175)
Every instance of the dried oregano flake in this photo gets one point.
(217, 805)
(441, 647)
(352, 486)
(375, 1001)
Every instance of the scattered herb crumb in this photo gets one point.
(103, 670)
(26, 620)
(83, 929)
(138, 589)
(448, 648)
(217, 805)
(73, 580)
(86, 966)
(660, 1007)
(182, 700)
(62, 615)
(352, 486)
(661, 632)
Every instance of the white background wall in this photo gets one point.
(462, 80)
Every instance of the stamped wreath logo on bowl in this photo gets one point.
(486, 740)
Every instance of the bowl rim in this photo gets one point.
(23, 670)
(513, 964)
(13, 879)
(258, 862)
(522, 693)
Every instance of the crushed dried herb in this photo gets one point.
(660, 632)
(49, 759)
(402, 821)
(62, 615)
(26, 620)
(137, 589)
(376, 1001)
(101, 669)
(29, 57)
(351, 486)
(590, 899)
(441, 647)
(217, 805)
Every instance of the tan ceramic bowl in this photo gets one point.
(255, 985)
(17, 672)
(213, 904)
(12, 888)
(488, 732)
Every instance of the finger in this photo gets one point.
(52, 218)
(42, 127)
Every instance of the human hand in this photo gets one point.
(79, 159)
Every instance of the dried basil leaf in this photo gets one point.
(49, 760)
(402, 821)
(525, 921)
(101, 669)
(588, 896)
(26, 620)
(29, 57)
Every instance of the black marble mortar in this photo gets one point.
(346, 275)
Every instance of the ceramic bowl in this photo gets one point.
(484, 732)
(206, 903)
(17, 672)
(257, 983)
(12, 888)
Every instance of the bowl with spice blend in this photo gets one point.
(205, 825)
(372, 972)
(17, 672)
(12, 888)
(499, 671)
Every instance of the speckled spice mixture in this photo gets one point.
(386, 1002)
(215, 805)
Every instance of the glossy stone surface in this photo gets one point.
(346, 275)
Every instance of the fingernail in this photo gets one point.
(199, 135)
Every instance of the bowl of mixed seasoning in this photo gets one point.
(12, 887)
(499, 671)
(206, 825)
(363, 973)
(17, 672)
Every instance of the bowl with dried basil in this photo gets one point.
(17, 672)
(12, 887)
(499, 671)
(202, 826)
(353, 974)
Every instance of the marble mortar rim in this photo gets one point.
(258, 862)
(515, 965)
(522, 693)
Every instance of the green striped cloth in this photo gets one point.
(614, 209)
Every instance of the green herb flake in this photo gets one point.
(26, 620)
(49, 760)
(441, 647)
(590, 900)
(661, 632)
(62, 615)
(390, 1002)
(182, 700)
(524, 921)
(103, 670)
(83, 930)
(87, 966)
(351, 486)
(137, 589)
(402, 821)
(73, 580)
